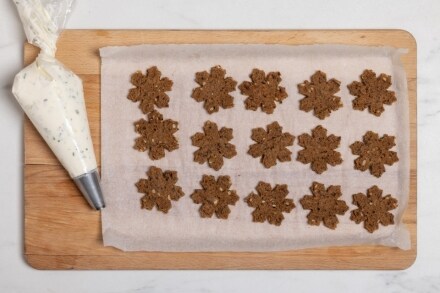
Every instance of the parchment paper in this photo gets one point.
(126, 226)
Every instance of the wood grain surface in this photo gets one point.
(62, 232)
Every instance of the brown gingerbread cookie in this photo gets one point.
(160, 189)
(373, 209)
(270, 203)
(319, 149)
(374, 153)
(150, 89)
(214, 89)
(372, 92)
(215, 197)
(213, 145)
(320, 95)
(157, 135)
(324, 205)
(263, 91)
(271, 144)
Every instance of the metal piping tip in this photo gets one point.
(90, 188)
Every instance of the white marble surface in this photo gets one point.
(421, 18)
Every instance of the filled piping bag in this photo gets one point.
(52, 97)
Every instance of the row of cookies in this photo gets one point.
(319, 149)
(216, 196)
(264, 91)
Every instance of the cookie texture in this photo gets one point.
(373, 209)
(150, 89)
(319, 149)
(372, 92)
(157, 135)
(320, 95)
(214, 89)
(213, 145)
(263, 91)
(215, 197)
(374, 153)
(160, 189)
(271, 144)
(270, 203)
(324, 205)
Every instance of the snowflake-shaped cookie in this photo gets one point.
(271, 144)
(374, 153)
(320, 95)
(157, 135)
(270, 204)
(150, 89)
(213, 145)
(324, 205)
(160, 189)
(373, 209)
(214, 89)
(319, 149)
(215, 197)
(372, 92)
(263, 91)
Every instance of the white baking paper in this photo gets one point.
(128, 227)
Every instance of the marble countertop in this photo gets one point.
(421, 18)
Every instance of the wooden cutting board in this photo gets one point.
(62, 232)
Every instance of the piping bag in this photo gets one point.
(52, 97)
